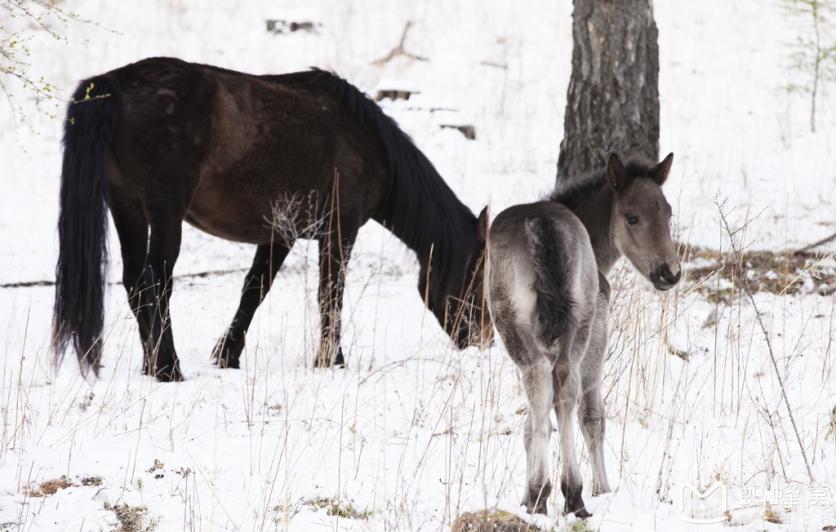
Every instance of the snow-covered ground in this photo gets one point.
(413, 433)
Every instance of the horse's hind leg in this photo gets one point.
(163, 249)
(268, 259)
(591, 412)
(132, 229)
(567, 387)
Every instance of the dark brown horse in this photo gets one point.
(161, 141)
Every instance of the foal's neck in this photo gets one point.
(595, 213)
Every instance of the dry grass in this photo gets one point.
(336, 508)
(776, 272)
(49, 487)
(132, 518)
(491, 521)
(771, 516)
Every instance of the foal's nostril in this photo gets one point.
(668, 276)
(675, 278)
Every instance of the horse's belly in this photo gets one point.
(232, 216)
(256, 211)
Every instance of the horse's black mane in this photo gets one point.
(419, 207)
(575, 189)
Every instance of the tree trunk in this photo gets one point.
(613, 100)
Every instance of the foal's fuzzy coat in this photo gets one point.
(549, 299)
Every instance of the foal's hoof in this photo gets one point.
(582, 513)
(227, 353)
(573, 502)
(323, 360)
(535, 500)
(536, 508)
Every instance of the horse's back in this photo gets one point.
(231, 146)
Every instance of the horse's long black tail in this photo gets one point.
(554, 300)
(78, 314)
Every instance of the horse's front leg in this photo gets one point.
(334, 253)
(266, 264)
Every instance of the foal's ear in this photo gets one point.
(482, 230)
(615, 172)
(660, 173)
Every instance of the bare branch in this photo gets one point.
(747, 290)
(400, 50)
(816, 244)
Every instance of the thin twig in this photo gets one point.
(49, 282)
(400, 49)
(762, 326)
(816, 244)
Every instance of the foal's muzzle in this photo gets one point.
(665, 279)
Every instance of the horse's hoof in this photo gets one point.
(227, 353)
(322, 360)
(227, 361)
(170, 375)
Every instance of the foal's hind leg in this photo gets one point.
(567, 387)
(537, 380)
(268, 259)
(334, 253)
(591, 412)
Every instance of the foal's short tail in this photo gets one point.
(78, 314)
(552, 277)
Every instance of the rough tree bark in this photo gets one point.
(613, 100)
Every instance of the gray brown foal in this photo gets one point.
(548, 293)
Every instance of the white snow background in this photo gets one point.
(413, 433)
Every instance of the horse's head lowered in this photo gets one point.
(459, 302)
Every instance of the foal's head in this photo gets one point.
(640, 222)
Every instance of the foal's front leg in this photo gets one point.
(591, 412)
(537, 380)
(567, 387)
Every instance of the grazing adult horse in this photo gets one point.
(162, 140)
(549, 295)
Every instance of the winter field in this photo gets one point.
(413, 433)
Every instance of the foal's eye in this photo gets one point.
(632, 220)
